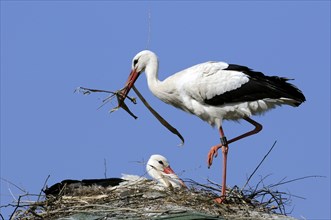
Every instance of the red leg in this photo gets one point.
(225, 150)
(224, 145)
(214, 150)
(257, 129)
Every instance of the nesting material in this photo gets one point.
(141, 198)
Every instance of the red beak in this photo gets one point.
(128, 85)
(168, 170)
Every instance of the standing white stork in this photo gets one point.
(216, 91)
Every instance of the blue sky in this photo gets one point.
(50, 48)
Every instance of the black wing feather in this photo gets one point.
(55, 189)
(258, 87)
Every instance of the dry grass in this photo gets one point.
(144, 199)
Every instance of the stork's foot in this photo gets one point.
(220, 200)
(213, 152)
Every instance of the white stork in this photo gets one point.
(159, 169)
(216, 91)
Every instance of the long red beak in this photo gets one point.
(128, 85)
(168, 170)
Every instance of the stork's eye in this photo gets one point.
(161, 162)
(135, 62)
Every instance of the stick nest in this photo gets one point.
(145, 199)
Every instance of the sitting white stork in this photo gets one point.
(216, 91)
(159, 169)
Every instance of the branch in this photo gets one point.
(159, 117)
(7, 181)
(121, 104)
(293, 180)
(18, 205)
(42, 189)
(118, 94)
(265, 156)
(105, 167)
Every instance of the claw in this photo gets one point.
(212, 153)
(220, 200)
(209, 160)
(215, 153)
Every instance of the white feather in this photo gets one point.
(189, 88)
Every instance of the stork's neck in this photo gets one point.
(161, 89)
(151, 71)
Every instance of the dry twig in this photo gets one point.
(120, 99)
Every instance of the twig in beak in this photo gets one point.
(87, 91)
(159, 117)
(121, 104)
(118, 94)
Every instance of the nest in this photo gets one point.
(145, 199)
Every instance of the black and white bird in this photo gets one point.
(216, 91)
(157, 167)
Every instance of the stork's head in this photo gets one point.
(158, 168)
(139, 63)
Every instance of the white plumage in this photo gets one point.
(216, 91)
(188, 89)
(159, 169)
